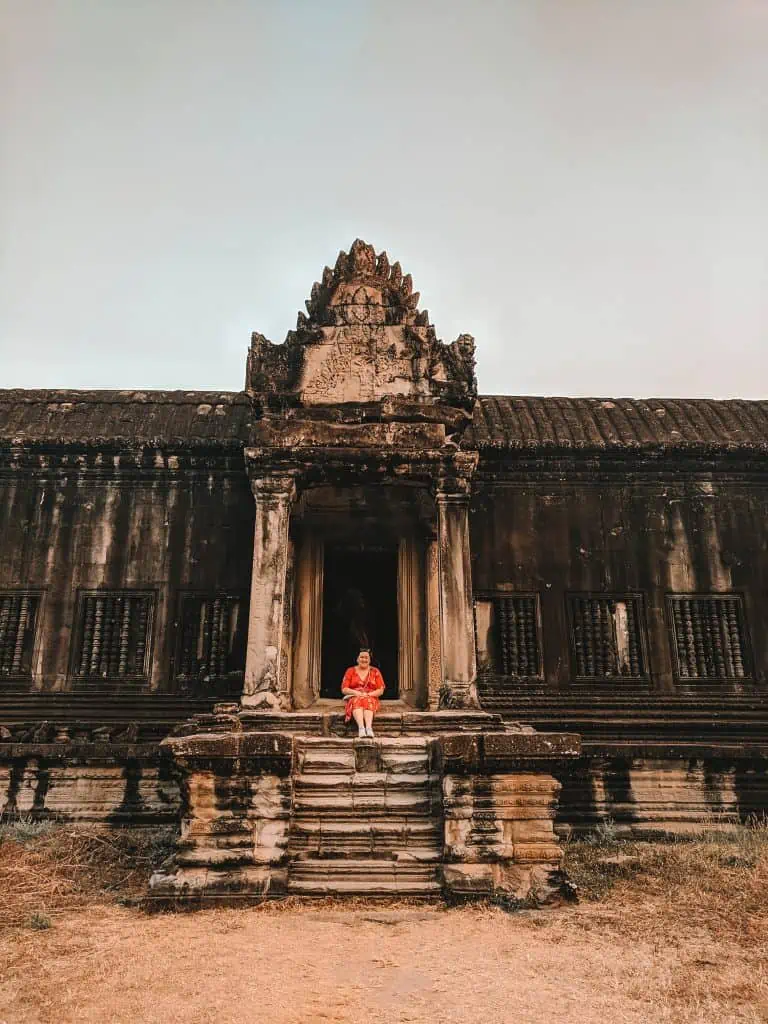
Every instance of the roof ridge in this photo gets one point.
(176, 396)
(620, 398)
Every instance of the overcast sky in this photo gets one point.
(581, 184)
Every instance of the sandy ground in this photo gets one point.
(414, 964)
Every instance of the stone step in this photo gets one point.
(342, 743)
(313, 782)
(328, 755)
(357, 836)
(338, 856)
(388, 723)
(364, 877)
(349, 847)
(344, 800)
(390, 826)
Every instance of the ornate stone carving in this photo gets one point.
(261, 690)
(458, 696)
(363, 340)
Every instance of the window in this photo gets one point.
(18, 622)
(606, 636)
(507, 628)
(709, 636)
(211, 637)
(112, 635)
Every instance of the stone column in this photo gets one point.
(456, 621)
(274, 496)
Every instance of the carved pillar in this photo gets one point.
(274, 495)
(456, 623)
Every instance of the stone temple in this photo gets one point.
(566, 597)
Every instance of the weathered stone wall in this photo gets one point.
(640, 794)
(236, 817)
(91, 784)
(554, 526)
(645, 793)
(149, 520)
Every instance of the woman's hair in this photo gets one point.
(364, 650)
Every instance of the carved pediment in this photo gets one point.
(362, 341)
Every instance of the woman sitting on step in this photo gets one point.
(362, 686)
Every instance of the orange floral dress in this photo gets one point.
(352, 681)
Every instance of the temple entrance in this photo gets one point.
(359, 610)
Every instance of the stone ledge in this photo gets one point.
(492, 752)
(230, 745)
(330, 723)
(80, 751)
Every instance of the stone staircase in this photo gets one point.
(366, 818)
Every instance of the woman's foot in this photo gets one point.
(369, 732)
(361, 733)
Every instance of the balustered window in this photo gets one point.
(112, 635)
(18, 622)
(607, 636)
(212, 631)
(709, 636)
(508, 634)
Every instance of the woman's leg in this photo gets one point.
(358, 715)
(368, 718)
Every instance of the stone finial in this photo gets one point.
(382, 285)
(364, 341)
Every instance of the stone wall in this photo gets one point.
(148, 520)
(92, 784)
(646, 792)
(638, 793)
(553, 526)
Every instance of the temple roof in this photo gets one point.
(619, 423)
(500, 422)
(134, 417)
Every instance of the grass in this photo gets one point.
(670, 932)
(716, 881)
(47, 869)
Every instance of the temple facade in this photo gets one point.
(180, 565)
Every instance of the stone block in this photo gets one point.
(506, 745)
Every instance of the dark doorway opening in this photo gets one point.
(359, 610)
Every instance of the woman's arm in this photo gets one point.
(379, 679)
(346, 687)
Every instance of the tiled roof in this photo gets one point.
(133, 417)
(500, 422)
(631, 423)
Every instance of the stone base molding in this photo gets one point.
(423, 813)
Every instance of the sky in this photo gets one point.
(580, 184)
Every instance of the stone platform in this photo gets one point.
(329, 721)
(453, 804)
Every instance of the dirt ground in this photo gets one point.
(664, 932)
(282, 965)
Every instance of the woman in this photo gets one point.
(362, 686)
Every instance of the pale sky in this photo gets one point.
(581, 184)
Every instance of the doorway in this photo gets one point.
(359, 610)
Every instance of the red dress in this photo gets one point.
(352, 681)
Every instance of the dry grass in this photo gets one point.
(716, 882)
(48, 870)
(666, 933)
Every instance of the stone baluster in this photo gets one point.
(274, 496)
(456, 618)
